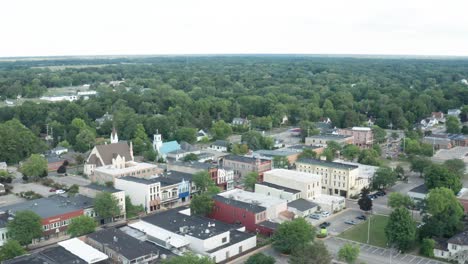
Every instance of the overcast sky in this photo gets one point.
(105, 27)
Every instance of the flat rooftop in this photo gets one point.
(102, 188)
(274, 153)
(329, 164)
(330, 136)
(52, 206)
(293, 175)
(244, 159)
(327, 199)
(83, 250)
(302, 204)
(279, 187)
(420, 189)
(129, 167)
(198, 226)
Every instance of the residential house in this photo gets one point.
(123, 248)
(2, 189)
(363, 137)
(302, 207)
(104, 118)
(308, 184)
(179, 230)
(56, 212)
(185, 149)
(290, 156)
(338, 178)
(241, 122)
(322, 139)
(455, 248)
(3, 165)
(220, 145)
(278, 191)
(438, 142)
(454, 112)
(246, 208)
(222, 177)
(439, 116)
(201, 134)
(163, 148)
(418, 193)
(244, 165)
(4, 218)
(93, 189)
(72, 251)
(429, 122)
(59, 150)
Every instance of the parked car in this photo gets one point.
(361, 217)
(59, 192)
(380, 193)
(52, 190)
(325, 214)
(315, 216)
(324, 225)
(371, 197)
(350, 222)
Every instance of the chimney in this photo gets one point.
(131, 150)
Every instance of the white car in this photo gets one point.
(325, 214)
(59, 192)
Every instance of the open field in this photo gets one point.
(377, 231)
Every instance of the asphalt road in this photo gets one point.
(377, 255)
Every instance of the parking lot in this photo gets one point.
(70, 180)
(10, 199)
(35, 187)
(337, 221)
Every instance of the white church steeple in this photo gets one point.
(157, 141)
(114, 138)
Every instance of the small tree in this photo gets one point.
(202, 180)
(384, 177)
(11, 249)
(365, 203)
(349, 253)
(106, 206)
(456, 166)
(452, 125)
(74, 189)
(419, 164)
(35, 166)
(307, 154)
(400, 172)
(311, 253)
(439, 176)
(427, 247)
(81, 225)
(25, 226)
(221, 130)
(260, 258)
(396, 200)
(191, 157)
(401, 229)
(250, 180)
(291, 235)
(201, 204)
(132, 210)
(350, 152)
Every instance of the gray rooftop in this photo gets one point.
(420, 189)
(221, 143)
(243, 159)
(54, 255)
(240, 204)
(102, 188)
(329, 164)
(193, 164)
(274, 153)
(52, 206)
(459, 239)
(330, 136)
(279, 187)
(140, 180)
(302, 204)
(126, 245)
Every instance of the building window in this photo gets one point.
(224, 240)
(454, 247)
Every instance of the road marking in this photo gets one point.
(420, 260)
(412, 259)
(397, 255)
(375, 250)
(383, 252)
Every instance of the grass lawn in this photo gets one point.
(377, 233)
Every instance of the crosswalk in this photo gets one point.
(385, 253)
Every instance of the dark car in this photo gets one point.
(381, 193)
(361, 217)
(324, 225)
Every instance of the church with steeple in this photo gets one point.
(163, 148)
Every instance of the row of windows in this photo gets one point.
(56, 224)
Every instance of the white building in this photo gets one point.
(201, 134)
(418, 193)
(330, 203)
(307, 183)
(274, 206)
(454, 112)
(220, 145)
(59, 98)
(302, 207)
(4, 218)
(59, 150)
(179, 230)
(278, 191)
(146, 192)
(455, 248)
(3, 165)
(225, 177)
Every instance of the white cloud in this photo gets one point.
(88, 27)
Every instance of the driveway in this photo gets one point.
(337, 221)
(377, 255)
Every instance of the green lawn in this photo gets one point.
(377, 233)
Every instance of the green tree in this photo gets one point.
(365, 203)
(379, 134)
(190, 157)
(201, 204)
(443, 213)
(74, 189)
(150, 155)
(369, 157)
(456, 166)
(188, 258)
(11, 249)
(240, 149)
(396, 199)
(311, 253)
(202, 181)
(132, 210)
(25, 226)
(427, 247)
(400, 172)
(250, 180)
(34, 166)
(307, 154)
(401, 229)
(81, 225)
(292, 234)
(84, 140)
(221, 130)
(141, 142)
(384, 177)
(350, 152)
(464, 130)
(349, 253)
(280, 162)
(187, 134)
(106, 205)
(439, 176)
(419, 164)
(260, 258)
(452, 125)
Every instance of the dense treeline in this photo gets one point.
(172, 93)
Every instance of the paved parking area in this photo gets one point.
(337, 221)
(35, 187)
(10, 199)
(70, 180)
(373, 254)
